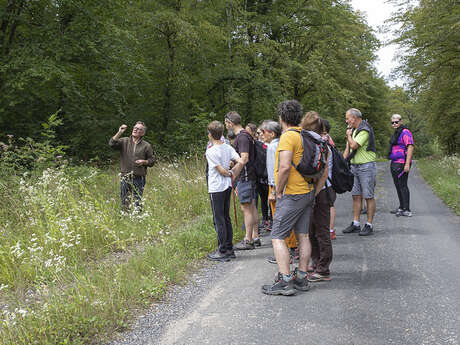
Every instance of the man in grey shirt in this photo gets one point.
(136, 155)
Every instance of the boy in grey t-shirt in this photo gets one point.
(220, 177)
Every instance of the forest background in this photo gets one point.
(177, 65)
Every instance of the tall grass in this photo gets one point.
(443, 174)
(73, 268)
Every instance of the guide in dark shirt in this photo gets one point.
(245, 143)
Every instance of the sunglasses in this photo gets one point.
(394, 122)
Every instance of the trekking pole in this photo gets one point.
(234, 207)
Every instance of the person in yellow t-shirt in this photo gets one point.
(294, 199)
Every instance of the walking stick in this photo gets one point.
(234, 207)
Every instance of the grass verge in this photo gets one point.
(74, 270)
(443, 175)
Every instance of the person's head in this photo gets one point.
(232, 119)
(312, 122)
(215, 130)
(290, 113)
(326, 126)
(139, 129)
(231, 136)
(271, 130)
(396, 121)
(353, 117)
(252, 129)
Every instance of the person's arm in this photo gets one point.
(346, 153)
(351, 143)
(319, 184)
(113, 142)
(410, 152)
(149, 155)
(285, 159)
(224, 172)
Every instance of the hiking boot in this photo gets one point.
(333, 235)
(301, 284)
(279, 287)
(244, 245)
(218, 256)
(257, 242)
(366, 230)
(230, 254)
(404, 214)
(318, 277)
(396, 211)
(351, 228)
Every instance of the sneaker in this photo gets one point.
(257, 242)
(333, 235)
(404, 214)
(366, 231)
(318, 277)
(244, 245)
(279, 287)
(272, 260)
(396, 211)
(351, 228)
(230, 254)
(300, 284)
(218, 256)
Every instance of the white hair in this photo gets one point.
(396, 116)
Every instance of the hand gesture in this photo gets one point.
(122, 128)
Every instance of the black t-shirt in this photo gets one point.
(244, 142)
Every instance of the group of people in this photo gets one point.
(302, 208)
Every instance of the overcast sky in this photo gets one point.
(376, 12)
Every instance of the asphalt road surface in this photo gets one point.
(399, 286)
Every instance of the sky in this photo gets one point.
(376, 12)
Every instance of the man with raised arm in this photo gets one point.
(136, 155)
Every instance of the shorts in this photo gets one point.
(365, 179)
(292, 212)
(246, 191)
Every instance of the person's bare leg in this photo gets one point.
(356, 207)
(282, 255)
(370, 203)
(304, 251)
(246, 208)
(255, 217)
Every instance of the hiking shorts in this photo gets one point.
(365, 179)
(246, 191)
(292, 212)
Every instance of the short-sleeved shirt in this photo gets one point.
(291, 141)
(219, 155)
(362, 155)
(245, 143)
(399, 151)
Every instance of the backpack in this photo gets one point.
(342, 178)
(260, 162)
(314, 156)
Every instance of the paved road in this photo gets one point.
(400, 286)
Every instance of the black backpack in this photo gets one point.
(260, 163)
(314, 157)
(342, 178)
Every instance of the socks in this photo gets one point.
(301, 274)
(331, 230)
(367, 223)
(287, 277)
(356, 223)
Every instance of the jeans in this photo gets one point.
(131, 185)
(220, 204)
(400, 180)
